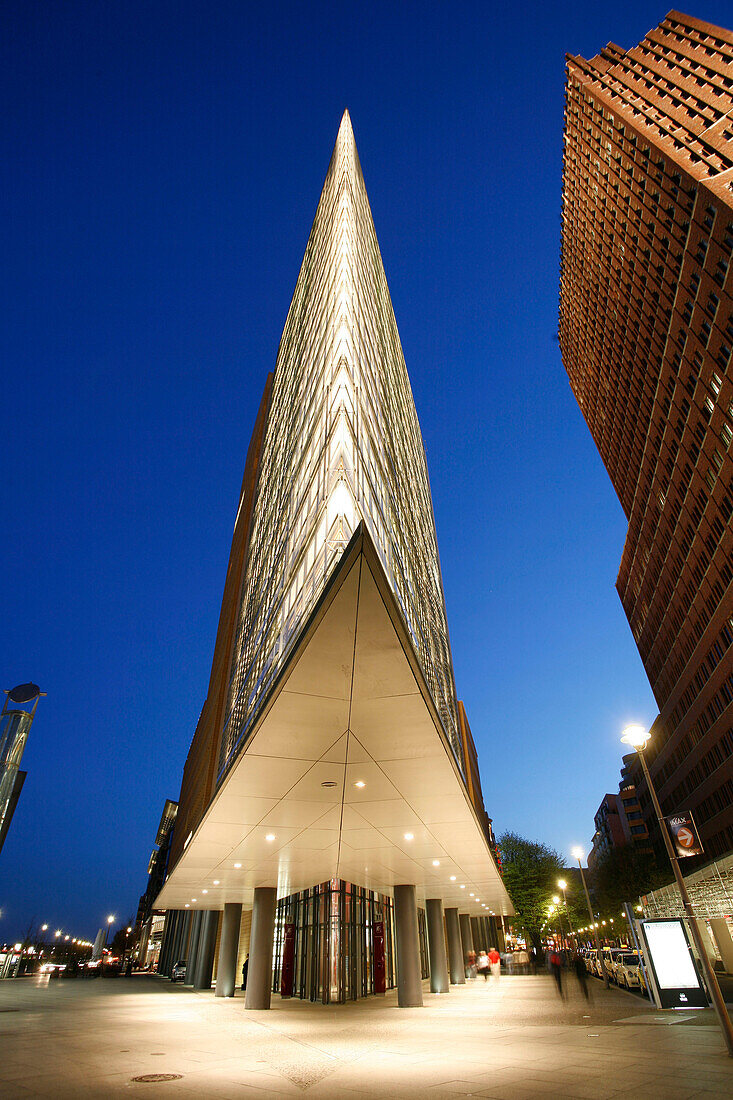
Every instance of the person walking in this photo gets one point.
(556, 970)
(245, 967)
(581, 973)
(482, 964)
(495, 963)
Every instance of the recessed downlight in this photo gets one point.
(409, 836)
(186, 906)
(453, 878)
(204, 891)
(360, 783)
(216, 882)
(471, 895)
(194, 899)
(462, 887)
(270, 837)
(436, 863)
(237, 866)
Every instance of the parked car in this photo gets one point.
(178, 973)
(626, 970)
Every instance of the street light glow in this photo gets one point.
(110, 919)
(577, 853)
(636, 736)
(562, 884)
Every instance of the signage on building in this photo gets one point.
(676, 982)
(684, 834)
(380, 977)
(287, 973)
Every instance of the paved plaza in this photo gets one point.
(514, 1040)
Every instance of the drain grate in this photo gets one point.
(154, 1078)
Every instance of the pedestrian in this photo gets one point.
(522, 961)
(556, 969)
(470, 964)
(482, 964)
(245, 968)
(581, 972)
(495, 963)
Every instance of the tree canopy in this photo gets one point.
(531, 871)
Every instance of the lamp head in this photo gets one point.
(562, 884)
(636, 736)
(577, 853)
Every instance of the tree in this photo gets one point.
(531, 871)
(622, 874)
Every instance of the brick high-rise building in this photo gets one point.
(646, 331)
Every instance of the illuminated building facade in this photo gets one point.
(330, 803)
(646, 331)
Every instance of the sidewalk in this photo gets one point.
(511, 1041)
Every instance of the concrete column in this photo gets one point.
(171, 948)
(259, 972)
(142, 943)
(409, 977)
(193, 948)
(477, 935)
(175, 952)
(226, 971)
(165, 940)
(436, 946)
(466, 936)
(486, 931)
(455, 948)
(207, 948)
(721, 934)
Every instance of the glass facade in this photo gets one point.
(342, 447)
(333, 950)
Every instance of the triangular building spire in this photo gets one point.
(342, 447)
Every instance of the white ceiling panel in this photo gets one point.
(393, 747)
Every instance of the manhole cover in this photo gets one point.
(154, 1078)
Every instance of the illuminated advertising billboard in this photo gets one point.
(673, 968)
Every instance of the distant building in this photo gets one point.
(618, 822)
(148, 927)
(646, 332)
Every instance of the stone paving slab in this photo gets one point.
(512, 1041)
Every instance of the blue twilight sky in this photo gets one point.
(162, 164)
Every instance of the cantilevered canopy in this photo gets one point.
(347, 774)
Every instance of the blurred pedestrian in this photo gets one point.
(581, 972)
(482, 964)
(245, 968)
(556, 969)
(471, 964)
(495, 963)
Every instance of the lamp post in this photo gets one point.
(563, 886)
(578, 854)
(637, 737)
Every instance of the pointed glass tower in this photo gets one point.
(342, 446)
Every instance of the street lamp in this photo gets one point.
(577, 853)
(563, 886)
(637, 737)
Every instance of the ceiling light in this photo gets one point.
(471, 895)
(462, 887)
(360, 783)
(216, 882)
(204, 891)
(237, 866)
(409, 836)
(328, 783)
(194, 899)
(436, 863)
(270, 836)
(186, 906)
(453, 878)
